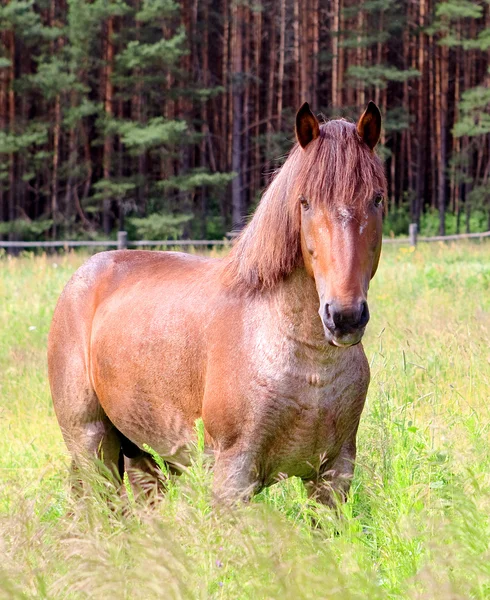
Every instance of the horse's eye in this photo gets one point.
(304, 202)
(378, 199)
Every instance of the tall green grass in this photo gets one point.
(415, 526)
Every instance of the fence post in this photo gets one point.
(122, 240)
(412, 234)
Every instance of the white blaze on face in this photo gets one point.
(363, 224)
(323, 229)
(345, 216)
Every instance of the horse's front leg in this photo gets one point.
(332, 484)
(235, 476)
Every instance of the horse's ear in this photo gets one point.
(307, 126)
(369, 125)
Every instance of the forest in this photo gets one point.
(168, 119)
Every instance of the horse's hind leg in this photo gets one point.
(88, 433)
(143, 473)
(86, 429)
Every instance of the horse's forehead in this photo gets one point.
(342, 212)
(344, 215)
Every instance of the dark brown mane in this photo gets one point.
(335, 169)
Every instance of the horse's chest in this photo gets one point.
(305, 409)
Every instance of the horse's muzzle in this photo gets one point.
(345, 325)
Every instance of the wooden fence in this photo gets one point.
(122, 241)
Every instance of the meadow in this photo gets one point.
(416, 524)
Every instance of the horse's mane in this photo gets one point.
(337, 168)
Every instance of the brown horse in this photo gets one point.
(262, 344)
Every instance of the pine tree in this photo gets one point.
(112, 111)
(470, 166)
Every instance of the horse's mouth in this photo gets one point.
(346, 340)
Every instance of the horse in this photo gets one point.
(263, 345)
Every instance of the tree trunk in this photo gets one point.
(12, 115)
(108, 98)
(421, 129)
(442, 95)
(359, 57)
(335, 52)
(257, 113)
(56, 144)
(3, 126)
(296, 44)
(341, 52)
(237, 94)
(280, 73)
(245, 144)
(270, 91)
(315, 28)
(72, 162)
(304, 51)
(205, 114)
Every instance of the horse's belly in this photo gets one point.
(156, 417)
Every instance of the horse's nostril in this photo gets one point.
(329, 319)
(327, 312)
(364, 318)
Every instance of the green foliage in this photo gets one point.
(35, 135)
(459, 9)
(474, 113)
(159, 226)
(197, 178)
(153, 11)
(112, 188)
(429, 222)
(474, 122)
(157, 458)
(479, 197)
(448, 17)
(86, 108)
(365, 41)
(26, 229)
(20, 16)
(155, 133)
(481, 42)
(397, 119)
(52, 78)
(396, 222)
(380, 75)
(163, 52)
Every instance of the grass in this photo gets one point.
(415, 526)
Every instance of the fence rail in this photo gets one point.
(122, 241)
(112, 243)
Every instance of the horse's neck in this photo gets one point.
(296, 303)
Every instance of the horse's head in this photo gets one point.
(339, 190)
